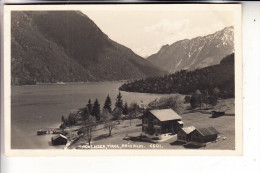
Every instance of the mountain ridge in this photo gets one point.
(198, 52)
(48, 47)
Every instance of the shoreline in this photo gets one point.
(64, 83)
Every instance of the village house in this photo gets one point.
(161, 121)
(203, 135)
(184, 135)
(59, 140)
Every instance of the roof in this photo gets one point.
(189, 129)
(180, 122)
(57, 136)
(208, 131)
(165, 114)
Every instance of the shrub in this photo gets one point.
(174, 102)
(187, 99)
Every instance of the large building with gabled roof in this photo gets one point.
(161, 121)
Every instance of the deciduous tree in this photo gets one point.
(133, 108)
(116, 113)
(213, 99)
(196, 99)
(85, 114)
(174, 102)
(108, 122)
(90, 125)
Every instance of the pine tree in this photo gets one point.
(96, 110)
(206, 98)
(89, 106)
(63, 119)
(119, 101)
(193, 101)
(125, 110)
(107, 104)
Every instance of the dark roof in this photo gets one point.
(208, 131)
(165, 114)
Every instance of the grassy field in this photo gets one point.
(198, 118)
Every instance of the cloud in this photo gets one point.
(165, 32)
(217, 26)
(166, 26)
(146, 51)
(168, 32)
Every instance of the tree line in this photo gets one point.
(219, 76)
(94, 110)
(91, 115)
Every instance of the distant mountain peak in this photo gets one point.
(165, 46)
(195, 53)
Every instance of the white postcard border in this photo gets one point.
(122, 152)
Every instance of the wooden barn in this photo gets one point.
(203, 135)
(184, 135)
(161, 121)
(59, 140)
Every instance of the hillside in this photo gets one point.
(187, 82)
(67, 46)
(195, 53)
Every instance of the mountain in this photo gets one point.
(219, 76)
(195, 53)
(53, 46)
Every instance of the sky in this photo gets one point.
(145, 32)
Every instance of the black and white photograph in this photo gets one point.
(121, 78)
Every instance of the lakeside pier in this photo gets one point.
(49, 131)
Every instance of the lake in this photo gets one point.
(41, 106)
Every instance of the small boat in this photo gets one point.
(60, 83)
(41, 132)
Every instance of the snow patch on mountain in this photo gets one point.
(198, 52)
